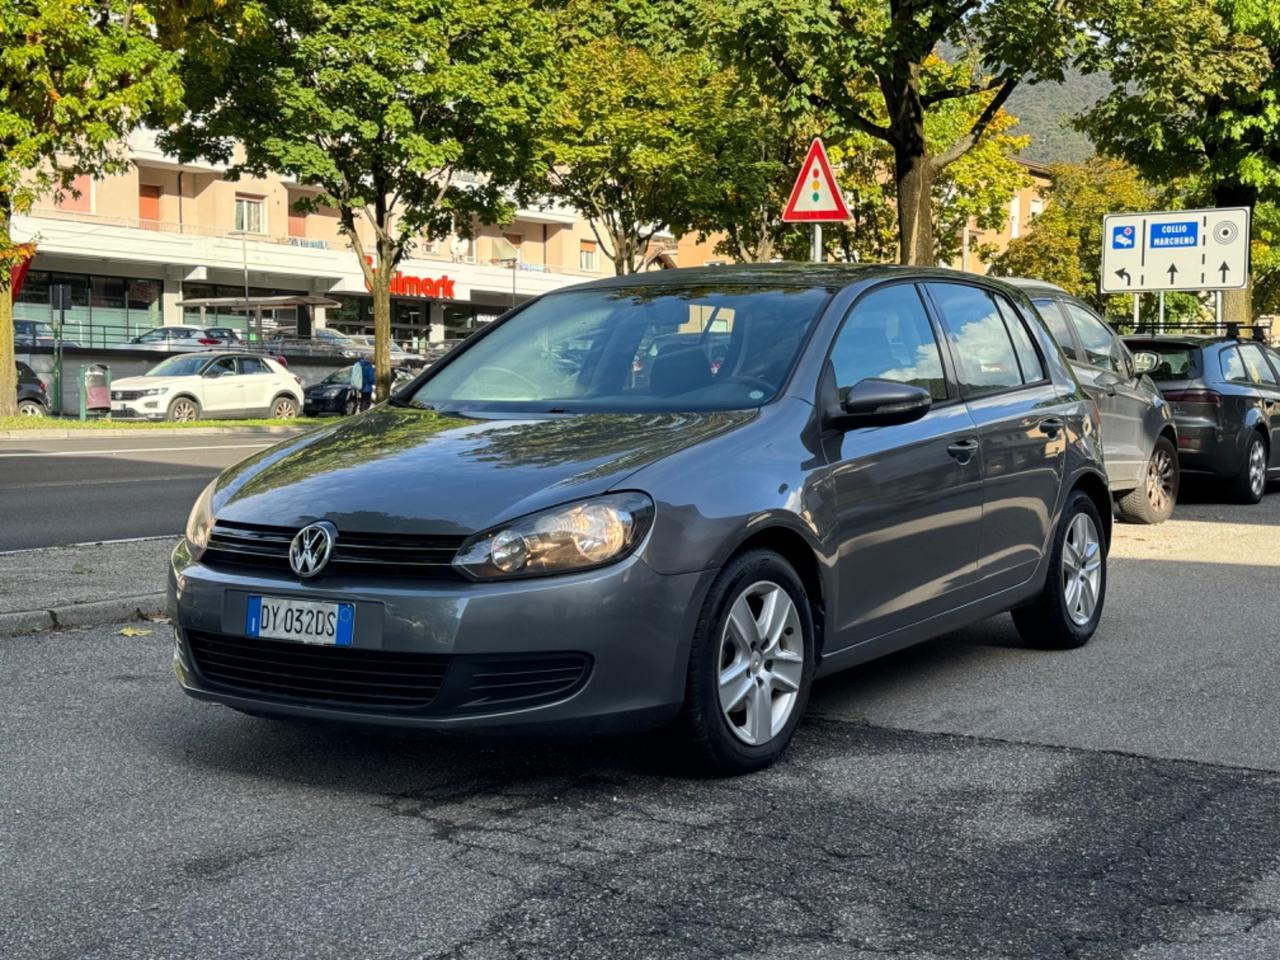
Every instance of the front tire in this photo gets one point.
(1154, 500)
(1066, 613)
(284, 408)
(750, 667)
(184, 410)
(1251, 482)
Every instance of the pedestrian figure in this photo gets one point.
(356, 375)
(366, 382)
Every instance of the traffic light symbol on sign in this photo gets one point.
(816, 195)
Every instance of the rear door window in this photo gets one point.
(1023, 345)
(1232, 365)
(984, 351)
(252, 365)
(1057, 325)
(1096, 336)
(888, 336)
(1255, 364)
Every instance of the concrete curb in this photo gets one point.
(53, 433)
(92, 614)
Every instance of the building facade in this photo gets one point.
(134, 246)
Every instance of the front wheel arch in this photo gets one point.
(797, 551)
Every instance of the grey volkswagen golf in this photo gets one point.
(672, 499)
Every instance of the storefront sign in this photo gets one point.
(434, 288)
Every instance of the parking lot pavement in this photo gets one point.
(138, 823)
(1184, 665)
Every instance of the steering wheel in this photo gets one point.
(506, 372)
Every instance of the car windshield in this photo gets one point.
(633, 349)
(341, 375)
(1173, 361)
(186, 366)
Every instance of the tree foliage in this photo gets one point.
(863, 64)
(380, 106)
(75, 78)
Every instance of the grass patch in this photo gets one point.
(61, 423)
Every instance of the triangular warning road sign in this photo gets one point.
(815, 195)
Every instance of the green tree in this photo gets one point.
(75, 77)
(379, 105)
(864, 64)
(633, 127)
(1197, 97)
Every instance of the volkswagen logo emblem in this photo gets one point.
(311, 548)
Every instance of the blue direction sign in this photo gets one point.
(1180, 233)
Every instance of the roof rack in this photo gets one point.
(1231, 329)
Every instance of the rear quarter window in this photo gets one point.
(1232, 366)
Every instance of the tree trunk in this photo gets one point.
(1237, 305)
(913, 177)
(382, 329)
(8, 369)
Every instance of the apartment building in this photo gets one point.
(134, 247)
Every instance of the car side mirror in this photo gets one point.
(880, 403)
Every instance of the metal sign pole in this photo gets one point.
(1217, 311)
(816, 253)
(1160, 322)
(1137, 323)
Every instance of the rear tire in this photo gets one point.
(750, 667)
(1153, 501)
(1061, 617)
(30, 408)
(184, 410)
(1250, 483)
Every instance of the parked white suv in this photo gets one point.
(209, 385)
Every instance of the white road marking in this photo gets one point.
(99, 453)
(97, 482)
(92, 543)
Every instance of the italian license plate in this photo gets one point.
(303, 621)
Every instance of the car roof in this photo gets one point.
(1029, 283)
(782, 273)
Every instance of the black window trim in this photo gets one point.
(944, 353)
(1058, 301)
(951, 348)
(1244, 345)
(1017, 317)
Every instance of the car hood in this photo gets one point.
(399, 470)
(149, 383)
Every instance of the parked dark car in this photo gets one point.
(33, 397)
(1139, 436)
(882, 455)
(332, 395)
(1225, 397)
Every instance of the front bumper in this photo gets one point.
(150, 408)
(631, 626)
(321, 405)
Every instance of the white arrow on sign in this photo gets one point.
(1175, 250)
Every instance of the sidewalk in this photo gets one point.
(80, 586)
(54, 432)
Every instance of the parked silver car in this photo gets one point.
(1139, 437)
(176, 339)
(536, 534)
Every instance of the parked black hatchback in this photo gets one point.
(33, 398)
(1225, 396)
(674, 498)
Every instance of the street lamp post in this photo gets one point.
(244, 260)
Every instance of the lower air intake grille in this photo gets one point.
(299, 671)
(509, 682)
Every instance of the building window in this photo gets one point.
(587, 256)
(78, 197)
(251, 213)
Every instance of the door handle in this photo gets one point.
(1050, 426)
(963, 450)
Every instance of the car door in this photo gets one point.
(908, 497)
(1104, 373)
(222, 389)
(1021, 418)
(259, 385)
(1268, 383)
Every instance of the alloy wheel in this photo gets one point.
(1257, 467)
(1160, 480)
(761, 662)
(183, 411)
(284, 409)
(30, 409)
(1081, 569)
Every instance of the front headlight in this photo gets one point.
(201, 520)
(576, 536)
(153, 392)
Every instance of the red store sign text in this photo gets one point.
(438, 288)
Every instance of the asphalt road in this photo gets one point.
(108, 488)
(968, 799)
